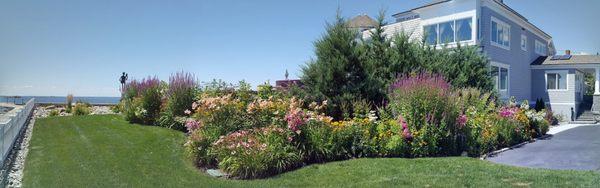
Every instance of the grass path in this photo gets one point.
(106, 151)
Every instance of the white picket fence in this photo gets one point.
(12, 125)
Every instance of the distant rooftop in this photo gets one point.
(573, 59)
(362, 21)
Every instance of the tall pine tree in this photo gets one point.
(337, 74)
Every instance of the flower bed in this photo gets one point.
(249, 136)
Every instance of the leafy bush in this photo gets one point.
(81, 109)
(117, 108)
(345, 69)
(180, 94)
(222, 115)
(256, 153)
(142, 100)
(53, 113)
(69, 103)
(422, 104)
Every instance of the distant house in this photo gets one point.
(362, 22)
(285, 84)
(523, 58)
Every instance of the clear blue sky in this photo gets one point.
(55, 47)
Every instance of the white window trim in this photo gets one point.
(500, 22)
(507, 67)
(544, 45)
(556, 72)
(524, 37)
(452, 19)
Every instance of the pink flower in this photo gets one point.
(192, 125)
(508, 112)
(194, 105)
(187, 112)
(296, 118)
(461, 120)
(406, 134)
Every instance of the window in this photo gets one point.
(523, 42)
(430, 33)
(448, 32)
(503, 78)
(500, 34)
(556, 81)
(500, 78)
(463, 29)
(540, 48)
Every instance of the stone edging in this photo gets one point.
(15, 173)
(493, 153)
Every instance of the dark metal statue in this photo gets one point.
(123, 79)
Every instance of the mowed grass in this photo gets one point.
(106, 151)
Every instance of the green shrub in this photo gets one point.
(423, 105)
(81, 109)
(180, 94)
(345, 69)
(256, 153)
(132, 109)
(54, 113)
(117, 108)
(142, 101)
(317, 141)
(392, 143)
(69, 102)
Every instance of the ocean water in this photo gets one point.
(61, 100)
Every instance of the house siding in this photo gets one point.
(411, 28)
(560, 102)
(520, 81)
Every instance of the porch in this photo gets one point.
(563, 81)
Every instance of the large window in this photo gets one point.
(448, 32)
(540, 48)
(430, 33)
(463, 29)
(500, 34)
(500, 77)
(556, 80)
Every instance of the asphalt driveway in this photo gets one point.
(577, 149)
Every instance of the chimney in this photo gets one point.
(567, 52)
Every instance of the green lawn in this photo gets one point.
(106, 151)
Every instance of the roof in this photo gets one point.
(575, 59)
(435, 2)
(362, 21)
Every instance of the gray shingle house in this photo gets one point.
(524, 62)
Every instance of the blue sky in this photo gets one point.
(81, 47)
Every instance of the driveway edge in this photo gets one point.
(493, 153)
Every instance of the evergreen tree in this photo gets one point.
(337, 74)
(348, 68)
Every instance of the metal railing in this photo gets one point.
(11, 126)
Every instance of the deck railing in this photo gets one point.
(12, 124)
